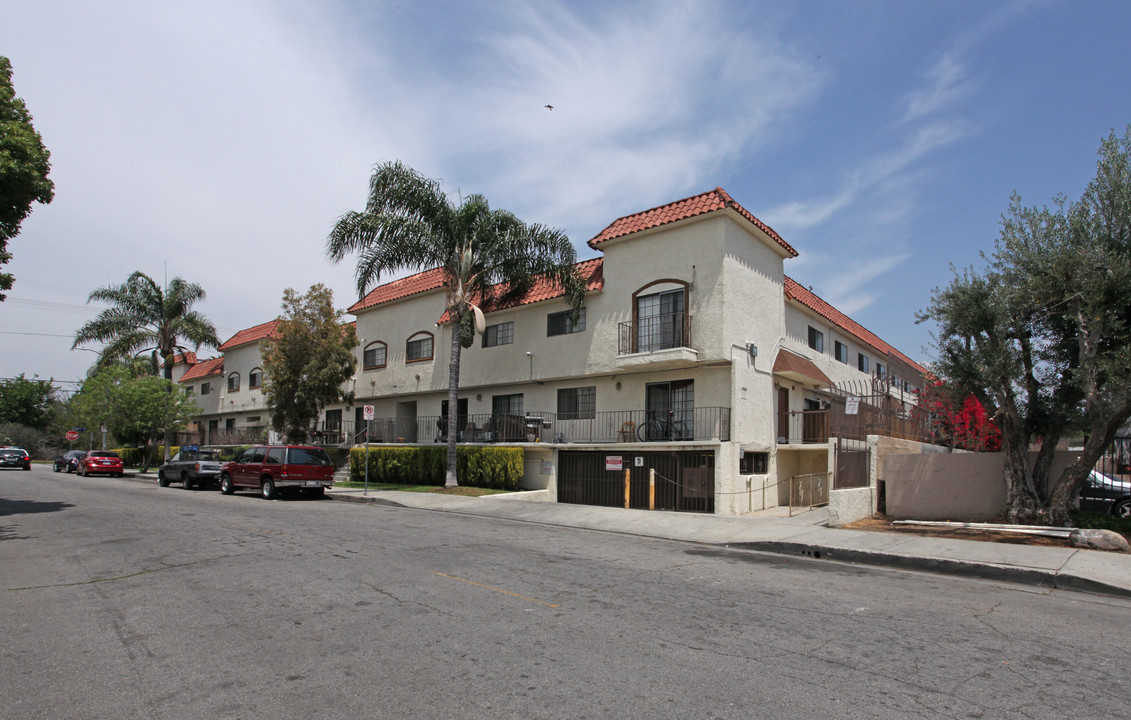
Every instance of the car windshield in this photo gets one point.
(308, 456)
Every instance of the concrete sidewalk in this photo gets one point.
(1094, 571)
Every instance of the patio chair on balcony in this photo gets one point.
(627, 432)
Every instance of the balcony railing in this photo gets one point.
(658, 332)
(817, 426)
(619, 426)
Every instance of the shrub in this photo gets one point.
(486, 467)
(133, 456)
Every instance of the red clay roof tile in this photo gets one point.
(701, 204)
(204, 369)
(397, 289)
(250, 335)
(592, 274)
(795, 291)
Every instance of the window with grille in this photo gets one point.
(375, 356)
(500, 334)
(563, 323)
(578, 403)
(419, 348)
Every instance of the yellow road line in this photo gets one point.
(489, 587)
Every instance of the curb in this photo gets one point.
(963, 568)
(1047, 579)
(365, 500)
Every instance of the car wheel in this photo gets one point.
(185, 481)
(317, 492)
(226, 484)
(267, 489)
(1122, 509)
(55, 468)
(162, 480)
(78, 471)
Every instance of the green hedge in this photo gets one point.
(486, 467)
(132, 456)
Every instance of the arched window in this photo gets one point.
(375, 356)
(255, 379)
(419, 347)
(234, 382)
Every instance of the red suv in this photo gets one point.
(101, 461)
(271, 468)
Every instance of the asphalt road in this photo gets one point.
(120, 599)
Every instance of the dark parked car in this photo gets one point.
(1105, 494)
(68, 461)
(271, 468)
(14, 457)
(192, 467)
(101, 461)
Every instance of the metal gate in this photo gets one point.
(851, 465)
(1116, 460)
(685, 481)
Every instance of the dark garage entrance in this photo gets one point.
(685, 481)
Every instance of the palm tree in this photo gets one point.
(144, 318)
(409, 223)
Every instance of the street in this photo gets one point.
(121, 599)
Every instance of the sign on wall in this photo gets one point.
(614, 462)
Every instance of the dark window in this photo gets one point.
(375, 356)
(255, 379)
(880, 370)
(501, 334)
(841, 351)
(253, 419)
(754, 463)
(419, 348)
(577, 403)
(234, 382)
(257, 454)
(862, 362)
(230, 424)
(816, 339)
(205, 388)
(507, 404)
(308, 456)
(275, 456)
(562, 323)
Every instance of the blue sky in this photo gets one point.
(219, 141)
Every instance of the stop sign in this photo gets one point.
(72, 435)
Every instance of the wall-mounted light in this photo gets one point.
(478, 397)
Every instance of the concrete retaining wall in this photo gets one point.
(851, 505)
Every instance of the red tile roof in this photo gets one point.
(397, 289)
(592, 274)
(250, 335)
(188, 358)
(805, 296)
(707, 202)
(203, 369)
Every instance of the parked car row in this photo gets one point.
(93, 462)
(266, 469)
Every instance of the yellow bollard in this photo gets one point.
(652, 488)
(627, 474)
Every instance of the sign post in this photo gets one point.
(367, 415)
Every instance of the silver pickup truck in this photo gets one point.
(192, 467)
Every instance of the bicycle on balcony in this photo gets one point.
(659, 428)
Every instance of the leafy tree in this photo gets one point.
(1042, 335)
(409, 223)
(24, 164)
(144, 318)
(135, 408)
(27, 402)
(306, 361)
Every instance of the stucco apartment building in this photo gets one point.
(695, 355)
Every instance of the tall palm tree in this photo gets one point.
(144, 318)
(409, 223)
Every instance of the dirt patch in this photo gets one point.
(880, 523)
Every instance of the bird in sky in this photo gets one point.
(549, 107)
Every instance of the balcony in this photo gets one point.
(811, 427)
(657, 342)
(703, 424)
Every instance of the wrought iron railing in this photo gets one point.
(658, 332)
(617, 426)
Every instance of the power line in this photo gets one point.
(12, 332)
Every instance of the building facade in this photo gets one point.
(694, 356)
